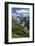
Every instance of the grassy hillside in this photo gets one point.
(19, 31)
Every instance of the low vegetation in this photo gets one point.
(18, 31)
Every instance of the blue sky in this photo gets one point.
(20, 11)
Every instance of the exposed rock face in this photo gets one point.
(16, 18)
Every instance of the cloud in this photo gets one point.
(22, 11)
(14, 14)
(26, 15)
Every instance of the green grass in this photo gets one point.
(19, 31)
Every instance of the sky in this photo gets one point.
(20, 11)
